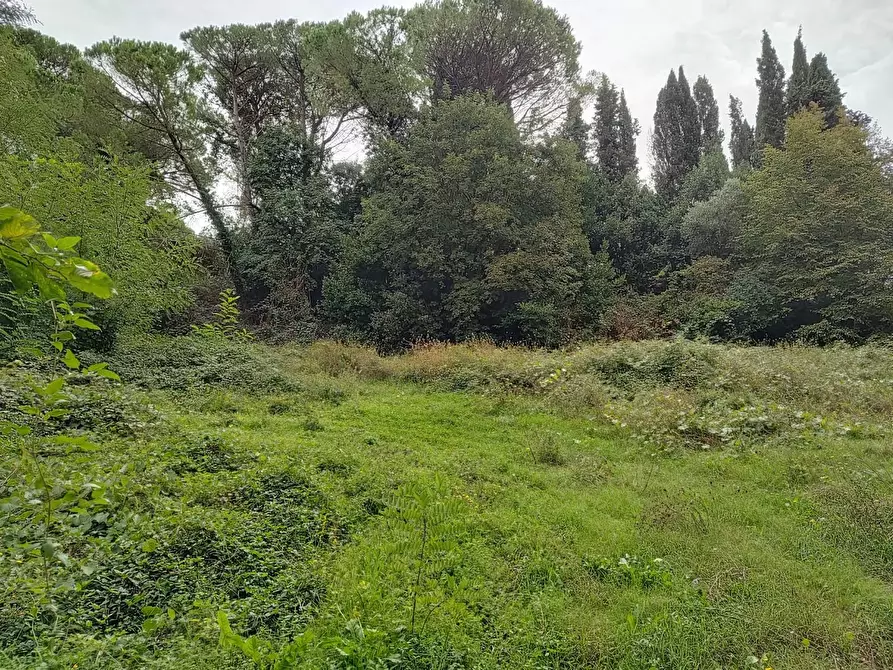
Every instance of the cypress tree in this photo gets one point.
(607, 139)
(771, 112)
(742, 142)
(708, 116)
(824, 90)
(798, 84)
(575, 129)
(629, 130)
(676, 141)
(691, 125)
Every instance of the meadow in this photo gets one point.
(632, 505)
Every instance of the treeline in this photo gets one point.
(500, 195)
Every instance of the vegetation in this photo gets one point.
(630, 505)
(487, 399)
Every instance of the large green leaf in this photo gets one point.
(87, 277)
(15, 224)
(20, 274)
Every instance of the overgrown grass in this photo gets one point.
(649, 505)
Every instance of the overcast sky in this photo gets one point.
(635, 42)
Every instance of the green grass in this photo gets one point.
(576, 540)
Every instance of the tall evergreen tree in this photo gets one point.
(676, 139)
(708, 116)
(771, 111)
(606, 128)
(742, 142)
(798, 84)
(824, 90)
(691, 124)
(575, 129)
(629, 130)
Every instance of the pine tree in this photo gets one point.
(708, 116)
(771, 112)
(676, 140)
(742, 142)
(606, 131)
(629, 130)
(824, 89)
(798, 84)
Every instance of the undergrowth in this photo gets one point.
(650, 505)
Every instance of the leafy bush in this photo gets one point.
(192, 363)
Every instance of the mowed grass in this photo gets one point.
(576, 541)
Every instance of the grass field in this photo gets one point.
(652, 505)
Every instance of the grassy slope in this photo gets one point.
(777, 546)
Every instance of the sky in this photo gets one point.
(634, 42)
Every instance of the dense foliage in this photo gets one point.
(555, 505)
(500, 195)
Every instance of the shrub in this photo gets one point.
(190, 363)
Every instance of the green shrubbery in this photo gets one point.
(192, 363)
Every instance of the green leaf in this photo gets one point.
(49, 289)
(67, 243)
(20, 274)
(81, 322)
(54, 386)
(149, 545)
(87, 277)
(71, 360)
(108, 374)
(15, 224)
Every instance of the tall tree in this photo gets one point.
(615, 132)
(521, 52)
(819, 230)
(676, 141)
(368, 58)
(742, 144)
(575, 129)
(771, 111)
(242, 91)
(708, 116)
(470, 231)
(798, 84)
(629, 131)
(156, 93)
(607, 128)
(824, 90)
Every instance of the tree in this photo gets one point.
(712, 227)
(368, 58)
(15, 13)
(798, 85)
(824, 90)
(819, 232)
(297, 235)
(606, 130)
(742, 144)
(469, 231)
(107, 206)
(519, 51)
(676, 140)
(575, 129)
(629, 131)
(615, 132)
(771, 112)
(242, 93)
(156, 94)
(708, 116)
